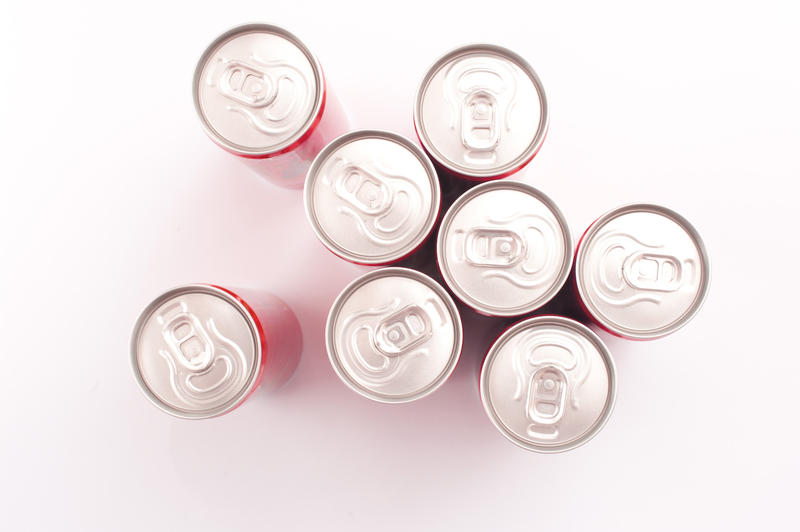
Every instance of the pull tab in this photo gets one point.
(363, 190)
(493, 247)
(403, 330)
(479, 130)
(547, 396)
(246, 84)
(186, 338)
(649, 271)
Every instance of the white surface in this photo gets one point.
(111, 193)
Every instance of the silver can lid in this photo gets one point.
(548, 384)
(196, 351)
(481, 111)
(504, 248)
(372, 197)
(642, 271)
(257, 90)
(394, 335)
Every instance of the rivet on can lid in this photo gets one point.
(642, 271)
(257, 89)
(372, 197)
(196, 351)
(481, 111)
(394, 335)
(504, 248)
(548, 384)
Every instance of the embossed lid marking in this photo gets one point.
(257, 89)
(504, 248)
(548, 384)
(642, 271)
(481, 111)
(394, 335)
(372, 197)
(196, 352)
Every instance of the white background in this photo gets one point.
(111, 193)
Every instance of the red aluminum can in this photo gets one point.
(199, 351)
(260, 93)
(481, 112)
(372, 197)
(641, 271)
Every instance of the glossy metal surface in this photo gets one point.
(504, 248)
(257, 90)
(548, 384)
(372, 197)
(196, 352)
(642, 271)
(481, 111)
(394, 335)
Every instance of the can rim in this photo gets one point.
(259, 27)
(462, 295)
(331, 148)
(676, 324)
(577, 327)
(541, 131)
(455, 353)
(228, 297)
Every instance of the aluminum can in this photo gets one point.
(372, 197)
(548, 384)
(198, 351)
(260, 93)
(481, 112)
(641, 271)
(504, 248)
(394, 335)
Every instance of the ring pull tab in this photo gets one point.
(246, 84)
(402, 331)
(479, 123)
(546, 398)
(650, 271)
(363, 190)
(187, 339)
(493, 248)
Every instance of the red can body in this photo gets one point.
(199, 351)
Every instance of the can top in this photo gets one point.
(257, 90)
(481, 111)
(642, 271)
(548, 384)
(504, 248)
(394, 335)
(196, 351)
(372, 197)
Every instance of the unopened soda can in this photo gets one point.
(504, 248)
(372, 197)
(260, 94)
(481, 112)
(394, 335)
(198, 351)
(548, 384)
(641, 271)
